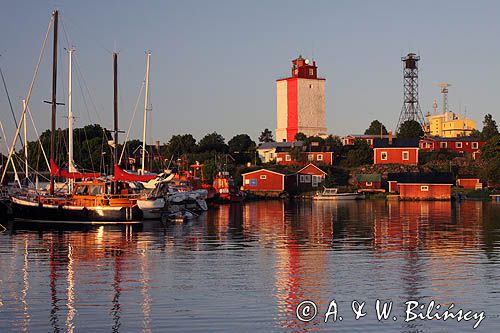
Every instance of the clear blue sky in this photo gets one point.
(214, 63)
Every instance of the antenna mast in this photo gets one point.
(444, 92)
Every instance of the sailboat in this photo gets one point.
(93, 200)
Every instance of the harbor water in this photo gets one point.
(247, 267)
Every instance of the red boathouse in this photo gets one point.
(421, 186)
(264, 182)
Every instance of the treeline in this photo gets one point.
(93, 151)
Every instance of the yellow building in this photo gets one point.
(449, 125)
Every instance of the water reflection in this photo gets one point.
(250, 261)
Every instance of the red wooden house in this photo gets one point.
(264, 182)
(395, 151)
(369, 182)
(470, 183)
(464, 145)
(421, 186)
(312, 154)
(348, 140)
(424, 191)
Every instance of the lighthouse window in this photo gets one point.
(263, 177)
(320, 157)
(383, 156)
(458, 144)
(310, 86)
(311, 72)
(406, 156)
(288, 158)
(475, 145)
(424, 188)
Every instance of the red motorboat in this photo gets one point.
(226, 188)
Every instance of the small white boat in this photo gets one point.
(332, 194)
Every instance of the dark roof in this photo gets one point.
(264, 169)
(317, 149)
(367, 136)
(369, 177)
(270, 145)
(396, 142)
(415, 178)
(462, 138)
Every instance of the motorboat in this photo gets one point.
(332, 194)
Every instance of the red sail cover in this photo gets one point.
(56, 171)
(131, 177)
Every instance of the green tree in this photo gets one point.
(376, 128)
(243, 148)
(491, 148)
(475, 134)
(180, 145)
(241, 143)
(317, 139)
(266, 136)
(212, 142)
(299, 136)
(410, 129)
(490, 128)
(296, 153)
(490, 153)
(359, 154)
(334, 144)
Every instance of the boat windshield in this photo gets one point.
(330, 191)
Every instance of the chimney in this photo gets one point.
(390, 138)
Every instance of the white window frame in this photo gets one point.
(370, 184)
(288, 158)
(302, 179)
(263, 177)
(307, 178)
(443, 145)
(458, 144)
(424, 188)
(382, 153)
(475, 145)
(316, 180)
(319, 157)
(311, 71)
(247, 181)
(407, 153)
(310, 157)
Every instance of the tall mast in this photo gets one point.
(25, 142)
(146, 92)
(54, 91)
(71, 165)
(115, 106)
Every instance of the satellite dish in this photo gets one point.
(307, 61)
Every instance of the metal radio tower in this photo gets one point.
(444, 91)
(411, 107)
